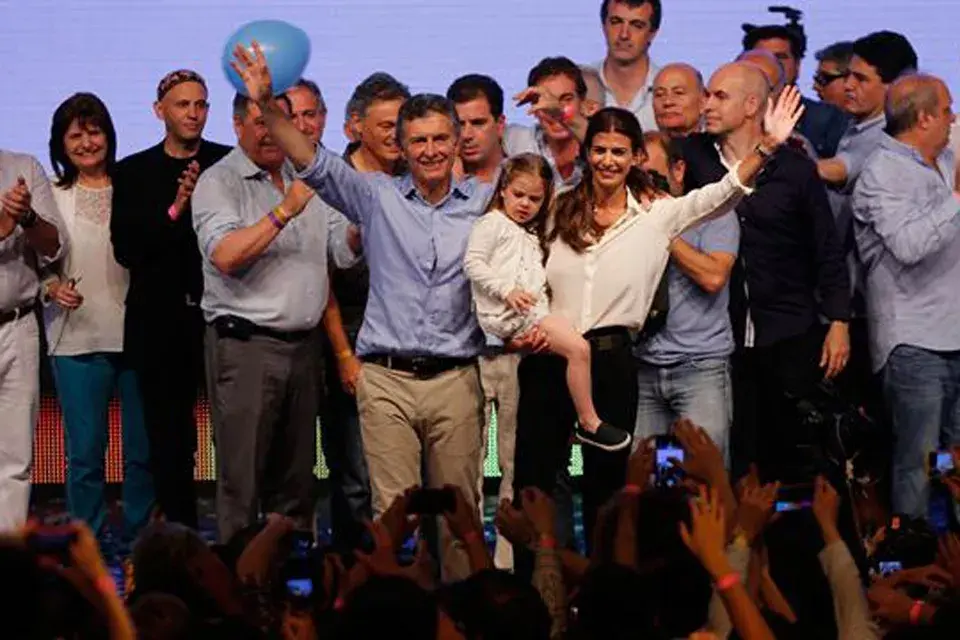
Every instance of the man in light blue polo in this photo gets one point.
(419, 394)
(907, 225)
(264, 240)
(684, 369)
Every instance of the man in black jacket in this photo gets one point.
(152, 234)
(789, 253)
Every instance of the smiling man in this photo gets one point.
(419, 395)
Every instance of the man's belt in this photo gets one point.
(16, 314)
(420, 366)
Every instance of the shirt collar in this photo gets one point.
(240, 162)
(876, 121)
(459, 189)
(540, 139)
(643, 94)
(903, 149)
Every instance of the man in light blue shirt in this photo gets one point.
(419, 394)
(265, 288)
(907, 227)
(684, 369)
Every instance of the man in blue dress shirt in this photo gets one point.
(907, 226)
(419, 394)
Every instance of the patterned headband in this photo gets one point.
(174, 78)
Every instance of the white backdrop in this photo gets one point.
(119, 49)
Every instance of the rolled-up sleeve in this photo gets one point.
(216, 209)
(340, 186)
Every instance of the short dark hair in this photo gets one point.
(890, 53)
(313, 88)
(87, 109)
(558, 66)
(474, 86)
(376, 87)
(655, 18)
(422, 105)
(839, 52)
(753, 34)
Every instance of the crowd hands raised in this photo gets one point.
(678, 553)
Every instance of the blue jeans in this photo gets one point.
(696, 389)
(922, 390)
(85, 386)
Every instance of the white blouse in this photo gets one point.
(612, 283)
(97, 325)
(502, 256)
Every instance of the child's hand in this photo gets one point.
(521, 301)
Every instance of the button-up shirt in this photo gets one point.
(419, 302)
(907, 226)
(519, 139)
(612, 282)
(642, 103)
(285, 288)
(19, 283)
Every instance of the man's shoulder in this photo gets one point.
(213, 152)
(141, 158)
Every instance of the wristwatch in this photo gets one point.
(28, 219)
(762, 152)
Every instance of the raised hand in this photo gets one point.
(540, 101)
(464, 520)
(826, 506)
(755, 509)
(641, 463)
(706, 537)
(782, 117)
(514, 525)
(521, 301)
(254, 72)
(539, 509)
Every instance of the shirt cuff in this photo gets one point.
(314, 166)
(735, 177)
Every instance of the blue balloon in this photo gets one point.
(286, 48)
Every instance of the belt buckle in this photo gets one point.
(419, 366)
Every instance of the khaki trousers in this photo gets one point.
(412, 425)
(501, 395)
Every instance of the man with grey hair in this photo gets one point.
(307, 108)
(419, 396)
(372, 116)
(833, 66)
(781, 350)
(678, 99)
(907, 227)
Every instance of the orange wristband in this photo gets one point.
(548, 542)
(728, 581)
(106, 585)
(633, 489)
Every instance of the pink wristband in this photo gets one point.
(106, 585)
(338, 604)
(916, 611)
(275, 220)
(172, 212)
(569, 113)
(633, 489)
(471, 537)
(728, 581)
(548, 542)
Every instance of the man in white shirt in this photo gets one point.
(31, 235)
(627, 72)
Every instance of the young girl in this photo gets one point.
(504, 261)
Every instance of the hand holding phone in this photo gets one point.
(667, 449)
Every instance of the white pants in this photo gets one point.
(501, 391)
(19, 401)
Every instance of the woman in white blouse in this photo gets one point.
(84, 323)
(608, 250)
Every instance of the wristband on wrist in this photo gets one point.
(547, 541)
(762, 151)
(282, 214)
(172, 212)
(345, 354)
(633, 489)
(915, 611)
(470, 537)
(728, 581)
(272, 216)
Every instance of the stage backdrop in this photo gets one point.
(119, 49)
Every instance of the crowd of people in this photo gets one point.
(736, 298)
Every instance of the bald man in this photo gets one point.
(776, 75)
(907, 229)
(788, 251)
(678, 98)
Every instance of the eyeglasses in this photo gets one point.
(823, 78)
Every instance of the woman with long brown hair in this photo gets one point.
(608, 249)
